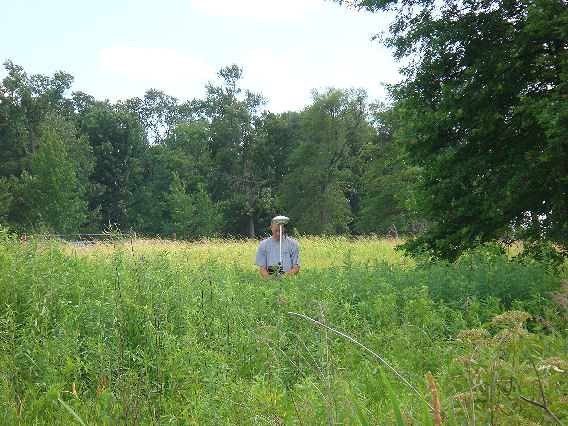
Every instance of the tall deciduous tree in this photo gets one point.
(485, 117)
(315, 191)
(119, 145)
(232, 135)
(24, 102)
(158, 113)
(275, 141)
(53, 194)
(387, 181)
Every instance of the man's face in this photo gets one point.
(275, 228)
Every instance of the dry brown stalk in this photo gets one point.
(436, 401)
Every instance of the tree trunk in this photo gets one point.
(29, 126)
(251, 226)
(248, 197)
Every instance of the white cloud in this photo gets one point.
(287, 82)
(284, 81)
(153, 64)
(258, 9)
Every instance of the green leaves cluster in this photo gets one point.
(482, 115)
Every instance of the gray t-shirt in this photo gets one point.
(268, 253)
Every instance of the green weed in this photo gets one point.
(144, 332)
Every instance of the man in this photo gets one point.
(268, 254)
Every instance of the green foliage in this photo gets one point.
(387, 181)
(158, 112)
(232, 137)
(5, 201)
(119, 145)
(24, 102)
(193, 215)
(233, 159)
(393, 399)
(315, 191)
(136, 333)
(53, 196)
(481, 118)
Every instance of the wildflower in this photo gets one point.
(511, 318)
(508, 335)
(474, 336)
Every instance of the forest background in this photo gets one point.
(471, 148)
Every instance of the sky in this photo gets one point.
(119, 49)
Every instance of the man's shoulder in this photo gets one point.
(292, 241)
(265, 242)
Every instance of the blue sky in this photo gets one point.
(119, 49)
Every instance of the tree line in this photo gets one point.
(472, 148)
(218, 166)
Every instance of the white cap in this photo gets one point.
(280, 220)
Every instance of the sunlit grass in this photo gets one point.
(315, 252)
(149, 331)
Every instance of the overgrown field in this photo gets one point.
(140, 333)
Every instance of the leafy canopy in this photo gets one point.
(483, 107)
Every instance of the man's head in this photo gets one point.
(275, 228)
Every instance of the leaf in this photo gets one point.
(73, 413)
(426, 411)
(394, 401)
(360, 413)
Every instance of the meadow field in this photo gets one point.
(139, 332)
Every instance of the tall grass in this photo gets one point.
(144, 332)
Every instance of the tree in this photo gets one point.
(119, 145)
(157, 112)
(232, 135)
(5, 201)
(314, 192)
(24, 103)
(387, 181)
(194, 214)
(275, 141)
(79, 154)
(53, 196)
(192, 138)
(484, 117)
(151, 209)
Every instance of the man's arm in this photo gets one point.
(264, 272)
(294, 270)
(261, 260)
